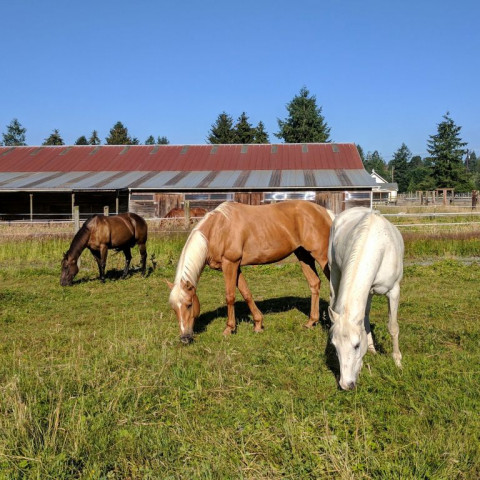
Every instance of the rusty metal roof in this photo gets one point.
(187, 167)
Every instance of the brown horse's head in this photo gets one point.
(184, 301)
(69, 270)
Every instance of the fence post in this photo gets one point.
(31, 207)
(187, 212)
(105, 210)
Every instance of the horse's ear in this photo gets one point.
(333, 316)
(189, 285)
(170, 284)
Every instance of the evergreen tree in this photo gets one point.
(81, 140)
(243, 130)
(471, 162)
(447, 150)
(415, 161)
(222, 130)
(54, 139)
(119, 136)
(361, 153)
(399, 167)
(94, 139)
(261, 136)
(160, 140)
(15, 135)
(420, 174)
(374, 161)
(305, 122)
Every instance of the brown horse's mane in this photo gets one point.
(80, 239)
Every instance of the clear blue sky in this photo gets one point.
(384, 72)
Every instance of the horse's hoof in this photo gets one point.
(309, 324)
(228, 331)
(258, 330)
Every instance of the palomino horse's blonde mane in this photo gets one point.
(194, 253)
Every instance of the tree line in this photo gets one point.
(449, 163)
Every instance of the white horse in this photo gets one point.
(365, 255)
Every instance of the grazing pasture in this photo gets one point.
(95, 384)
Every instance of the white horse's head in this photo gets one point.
(350, 341)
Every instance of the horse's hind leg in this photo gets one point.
(246, 294)
(128, 257)
(143, 255)
(309, 270)
(393, 300)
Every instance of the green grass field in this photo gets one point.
(95, 384)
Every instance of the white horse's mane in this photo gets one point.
(361, 232)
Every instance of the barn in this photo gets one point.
(47, 182)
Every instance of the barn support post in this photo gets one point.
(105, 210)
(73, 206)
(31, 207)
(76, 219)
(76, 225)
(117, 204)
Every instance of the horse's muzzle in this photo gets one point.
(186, 339)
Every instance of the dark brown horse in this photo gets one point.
(235, 234)
(99, 234)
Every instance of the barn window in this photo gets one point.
(280, 196)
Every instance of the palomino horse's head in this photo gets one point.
(69, 270)
(350, 341)
(184, 301)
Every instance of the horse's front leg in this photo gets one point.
(246, 294)
(102, 261)
(230, 275)
(128, 257)
(368, 328)
(393, 300)
(96, 256)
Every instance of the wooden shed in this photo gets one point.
(46, 182)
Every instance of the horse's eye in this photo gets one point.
(356, 346)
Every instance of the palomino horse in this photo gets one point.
(100, 233)
(234, 235)
(180, 212)
(365, 255)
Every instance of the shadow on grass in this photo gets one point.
(274, 305)
(115, 275)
